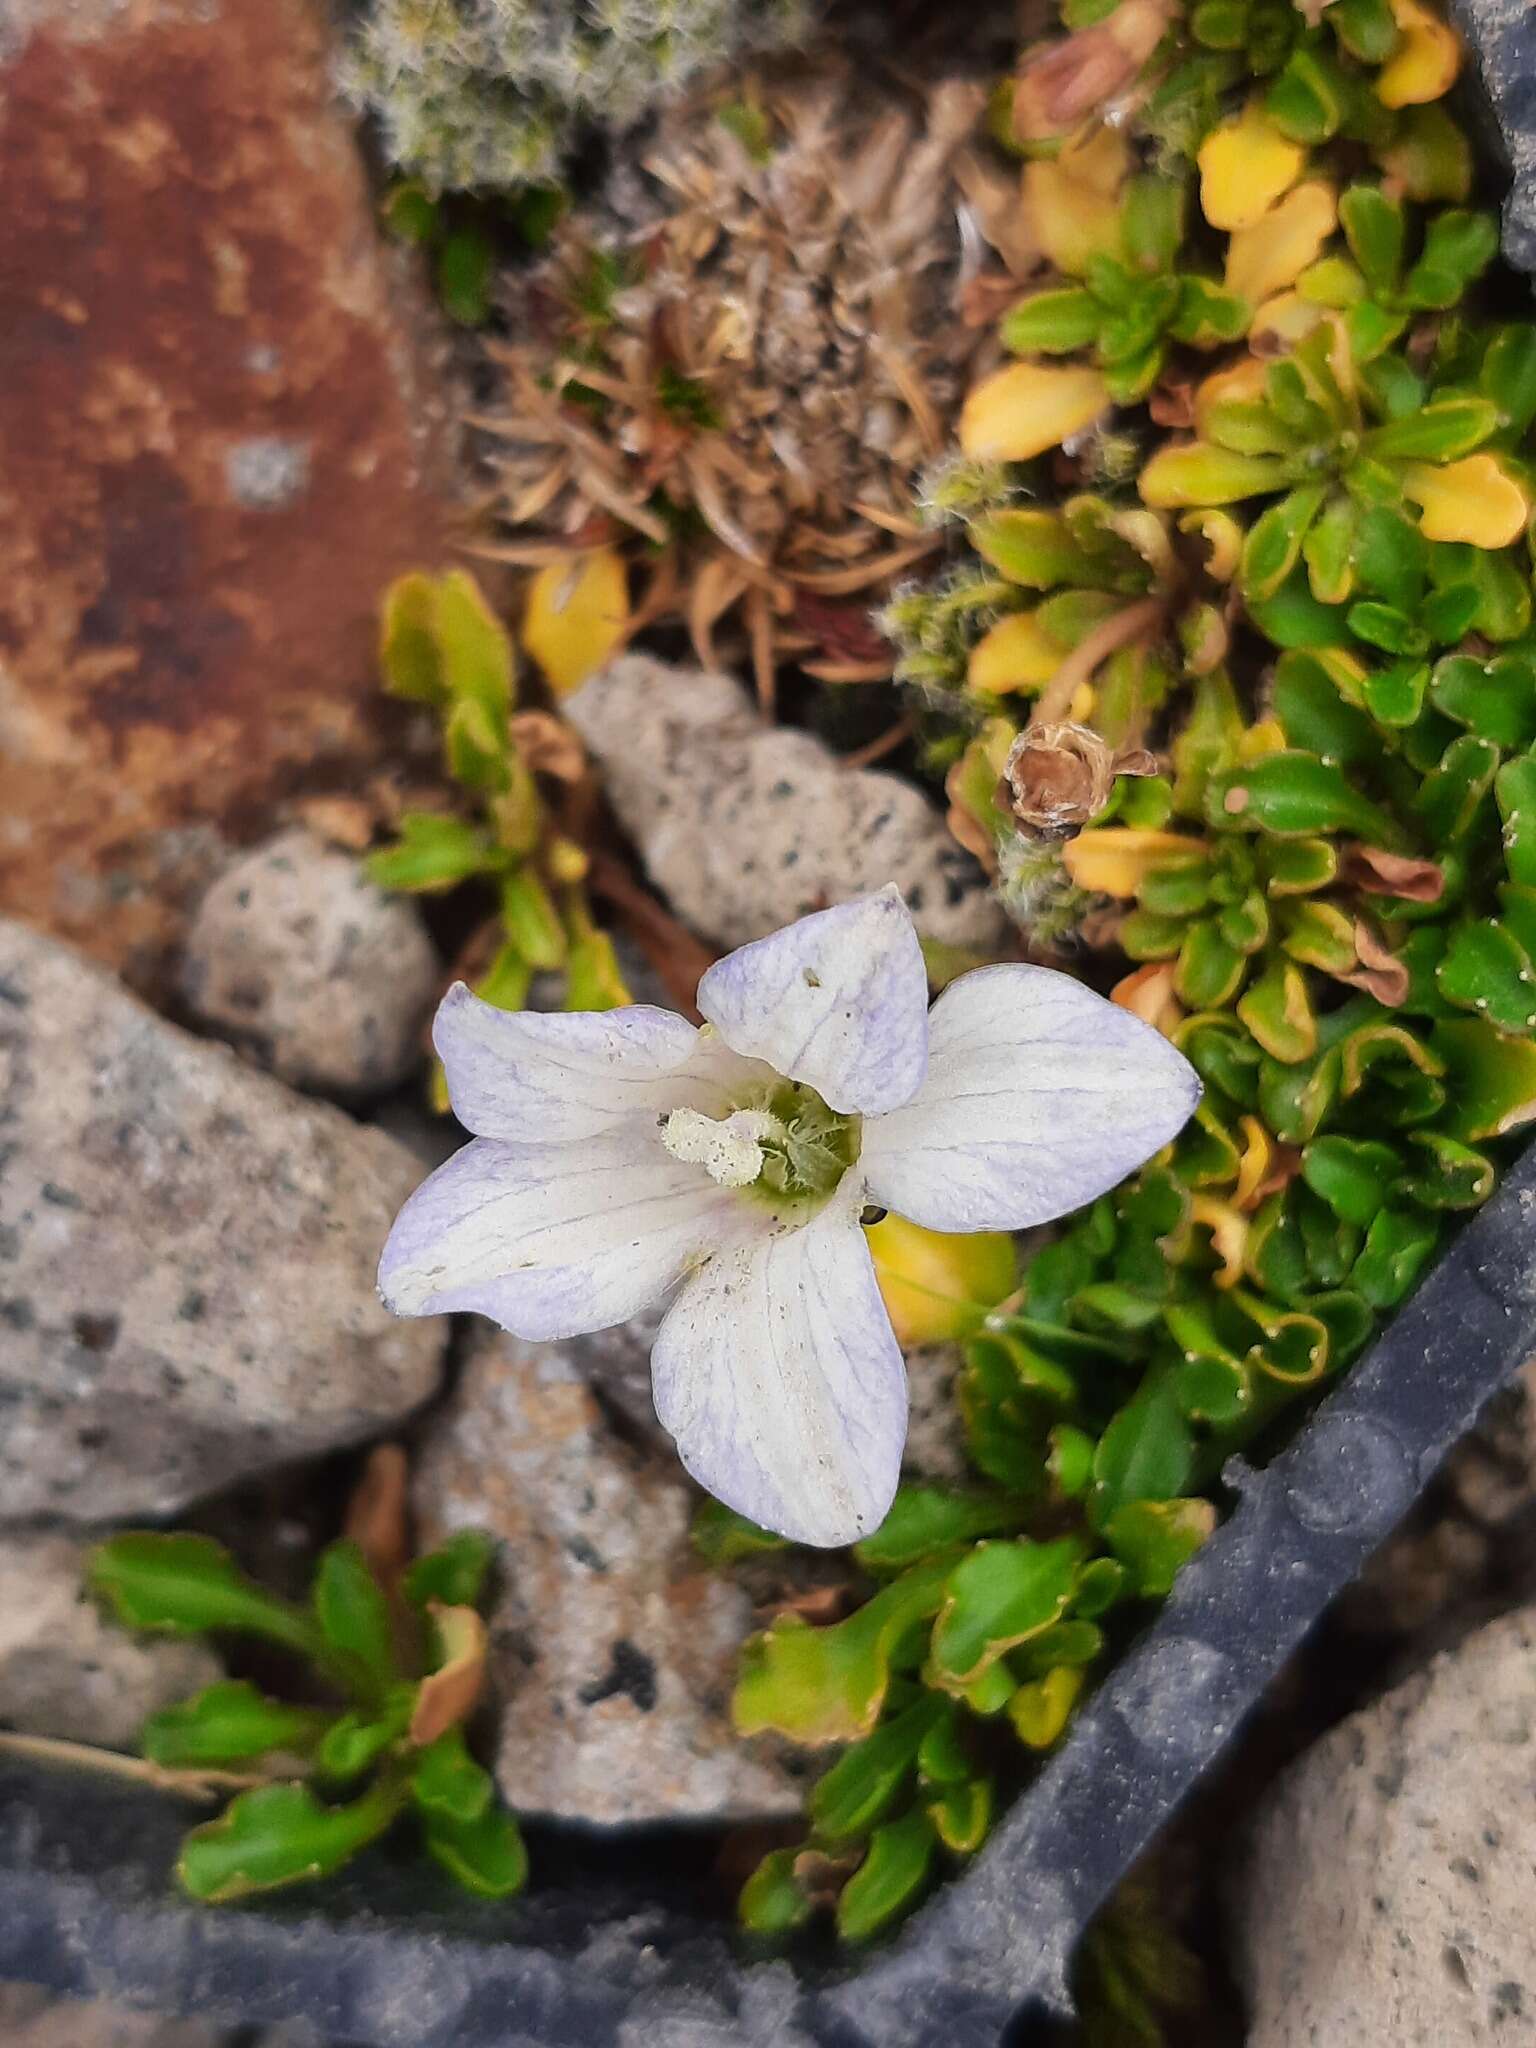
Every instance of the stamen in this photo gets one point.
(730, 1150)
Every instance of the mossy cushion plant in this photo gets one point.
(1253, 494)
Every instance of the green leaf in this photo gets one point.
(354, 1615)
(1451, 1175)
(466, 268)
(1503, 591)
(185, 1585)
(997, 1597)
(1210, 970)
(1293, 617)
(1278, 1011)
(1495, 699)
(1451, 798)
(1440, 432)
(863, 1785)
(1153, 1538)
(819, 1685)
(486, 1855)
(1208, 315)
(1146, 1453)
(1152, 220)
(1515, 790)
(1354, 1176)
(1273, 546)
(892, 1874)
(962, 1816)
(1398, 1246)
(1316, 718)
(279, 1835)
(532, 923)
(1031, 547)
(1374, 227)
(448, 1783)
(1309, 99)
(772, 1902)
(229, 1722)
(1508, 377)
(1490, 1078)
(354, 1743)
(1458, 247)
(432, 852)
(722, 1537)
(923, 1519)
(454, 1573)
(1295, 795)
(1485, 968)
(1392, 556)
(1329, 550)
(1383, 626)
(1051, 323)
(1366, 28)
(1394, 695)
(408, 648)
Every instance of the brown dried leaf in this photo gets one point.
(548, 745)
(1058, 776)
(1380, 973)
(1379, 873)
(345, 821)
(447, 1696)
(376, 1517)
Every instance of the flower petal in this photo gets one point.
(838, 1000)
(778, 1375)
(556, 1240)
(521, 1075)
(1040, 1096)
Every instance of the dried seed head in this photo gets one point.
(1059, 776)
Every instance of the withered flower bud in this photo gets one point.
(1066, 83)
(1057, 777)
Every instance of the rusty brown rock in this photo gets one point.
(221, 433)
(612, 1648)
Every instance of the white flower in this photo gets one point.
(623, 1157)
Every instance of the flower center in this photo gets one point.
(784, 1145)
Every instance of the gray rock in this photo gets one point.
(187, 1258)
(1389, 1893)
(311, 971)
(613, 1650)
(745, 827)
(31, 2017)
(1502, 35)
(64, 1668)
(935, 1448)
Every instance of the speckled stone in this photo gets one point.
(613, 1650)
(745, 826)
(1387, 1898)
(33, 2018)
(65, 1669)
(187, 1257)
(311, 971)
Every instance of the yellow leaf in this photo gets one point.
(1148, 994)
(1475, 500)
(1201, 473)
(1229, 1236)
(575, 616)
(1426, 65)
(1245, 165)
(1269, 256)
(1267, 737)
(1222, 535)
(937, 1286)
(1253, 1167)
(1114, 860)
(1040, 1709)
(1017, 654)
(1284, 320)
(1029, 407)
(1073, 200)
(1240, 383)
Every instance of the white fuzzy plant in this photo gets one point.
(488, 93)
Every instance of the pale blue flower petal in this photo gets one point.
(777, 1373)
(839, 1001)
(524, 1075)
(1040, 1096)
(554, 1240)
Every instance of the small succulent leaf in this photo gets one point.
(1375, 228)
(1210, 969)
(1495, 700)
(1152, 210)
(1458, 247)
(1273, 546)
(1032, 547)
(1208, 315)
(722, 1537)
(279, 1835)
(998, 1597)
(860, 1789)
(1440, 432)
(576, 616)
(1450, 1174)
(1391, 557)
(485, 1855)
(1028, 408)
(1366, 28)
(1508, 378)
(355, 1741)
(353, 1615)
(1515, 791)
(1450, 801)
(1316, 717)
(1293, 617)
(962, 1816)
(772, 1902)
(409, 652)
(1429, 156)
(1310, 98)
(1450, 611)
(181, 1584)
(1146, 1453)
(1203, 473)
(451, 1689)
(924, 1520)
(1394, 695)
(894, 1871)
(1490, 1079)
(229, 1722)
(1051, 322)
(454, 1573)
(1485, 968)
(819, 1685)
(1383, 626)
(432, 852)
(1398, 1245)
(1299, 795)
(1153, 1538)
(1354, 1176)
(1503, 592)
(1278, 1011)
(1040, 1710)
(447, 1781)
(1329, 550)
